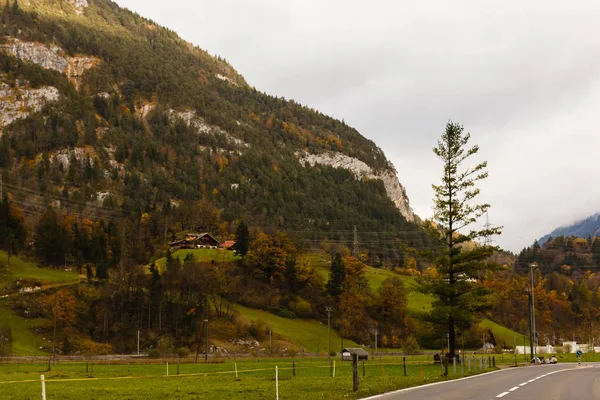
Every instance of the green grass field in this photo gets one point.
(202, 255)
(28, 270)
(256, 380)
(25, 341)
(306, 333)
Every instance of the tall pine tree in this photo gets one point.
(459, 295)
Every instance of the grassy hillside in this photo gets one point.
(20, 269)
(25, 341)
(503, 335)
(202, 255)
(306, 333)
(416, 301)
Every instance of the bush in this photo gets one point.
(258, 329)
(558, 349)
(411, 346)
(154, 353)
(183, 352)
(285, 313)
(301, 307)
(567, 347)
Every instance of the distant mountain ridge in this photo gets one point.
(589, 226)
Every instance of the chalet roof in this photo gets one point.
(355, 350)
(227, 244)
(182, 241)
(198, 236)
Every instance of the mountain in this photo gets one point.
(106, 114)
(589, 226)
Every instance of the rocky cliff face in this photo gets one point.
(19, 101)
(51, 57)
(79, 5)
(394, 189)
(203, 128)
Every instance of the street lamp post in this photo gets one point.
(532, 267)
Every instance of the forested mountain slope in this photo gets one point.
(589, 226)
(103, 109)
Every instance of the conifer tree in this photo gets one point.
(337, 274)
(458, 293)
(242, 239)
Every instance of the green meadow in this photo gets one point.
(301, 378)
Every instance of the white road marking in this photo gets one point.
(531, 380)
(523, 384)
(502, 394)
(513, 389)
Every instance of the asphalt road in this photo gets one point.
(544, 382)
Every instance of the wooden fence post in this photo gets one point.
(355, 372)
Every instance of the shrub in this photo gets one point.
(568, 347)
(258, 329)
(154, 353)
(285, 313)
(411, 346)
(183, 352)
(301, 307)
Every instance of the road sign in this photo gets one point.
(579, 353)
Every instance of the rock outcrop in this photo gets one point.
(203, 128)
(18, 101)
(51, 57)
(80, 5)
(394, 189)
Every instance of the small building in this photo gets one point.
(348, 352)
(196, 241)
(228, 244)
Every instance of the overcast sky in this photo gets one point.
(522, 76)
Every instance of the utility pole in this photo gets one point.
(54, 335)
(376, 339)
(138, 342)
(355, 248)
(270, 343)
(328, 309)
(206, 330)
(206, 342)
